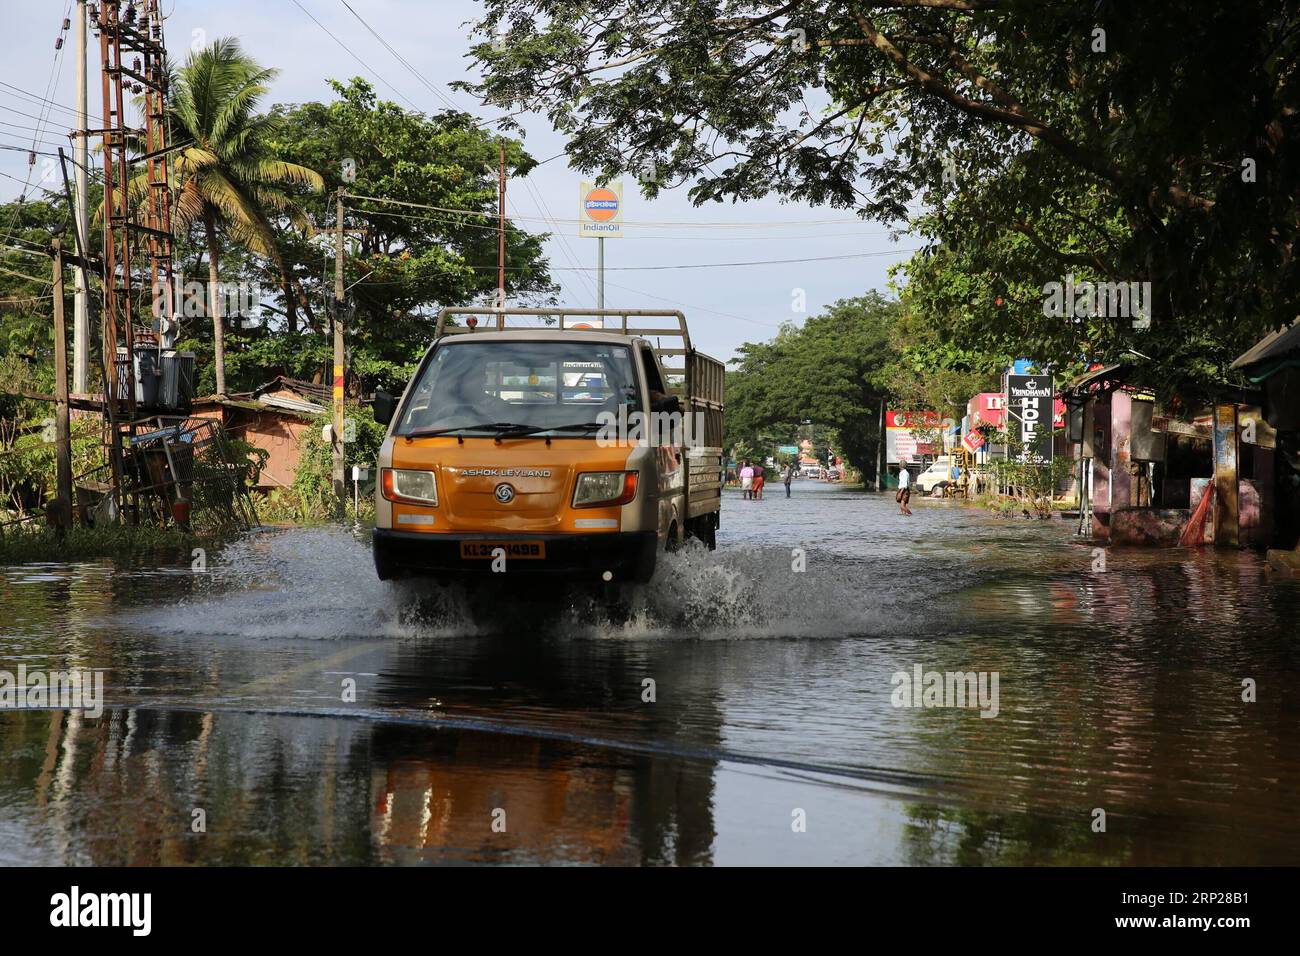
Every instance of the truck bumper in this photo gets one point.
(628, 556)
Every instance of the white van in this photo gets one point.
(941, 470)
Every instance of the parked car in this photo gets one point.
(941, 470)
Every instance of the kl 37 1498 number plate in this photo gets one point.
(513, 549)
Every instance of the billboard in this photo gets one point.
(902, 444)
(600, 212)
(1031, 403)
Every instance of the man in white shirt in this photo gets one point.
(747, 479)
(904, 489)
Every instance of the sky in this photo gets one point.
(724, 306)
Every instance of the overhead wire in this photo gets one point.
(402, 60)
(354, 56)
(688, 223)
(41, 120)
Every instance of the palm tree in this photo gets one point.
(228, 179)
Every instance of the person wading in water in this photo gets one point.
(904, 490)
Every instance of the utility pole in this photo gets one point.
(81, 157)
(501, 230)
(62, 425)
(336, 436)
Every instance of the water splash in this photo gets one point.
(321, 584)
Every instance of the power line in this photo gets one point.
(464, 225)
(28, 129)
(671, 238)
(684, 265)
(402, 60)
(28, 94)
(34, 245)
(681, 223)
(354, 56)
(693, 308)
(23, 275)
(27, 252)
(756, 262)
(41, 119)
(23, 149)
(49, 86)
(569, 254)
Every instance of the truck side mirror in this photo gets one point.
(385, 407)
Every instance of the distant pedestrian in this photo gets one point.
(747, 479)
(904, 490)
(758, 482)
(789, 477)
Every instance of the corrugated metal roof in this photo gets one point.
(1088, 378)
(1272, 347)
(291, 404)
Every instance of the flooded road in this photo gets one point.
(747, 711)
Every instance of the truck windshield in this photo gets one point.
(490, 386)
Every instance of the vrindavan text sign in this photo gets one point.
(1030, 402)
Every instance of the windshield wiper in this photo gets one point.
(498, 427)
(504, 428)
(576, 426)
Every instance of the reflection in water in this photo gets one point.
(1120, 690)
(123, 790)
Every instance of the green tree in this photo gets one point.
(831, 371)
(1148, 142)
(230, 180)
(403, 262)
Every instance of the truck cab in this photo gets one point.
(570, 450)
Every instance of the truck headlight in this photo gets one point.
(418, 487)
(604, 488)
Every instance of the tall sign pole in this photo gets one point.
(336, 433)
(600, 217)
(81, 155)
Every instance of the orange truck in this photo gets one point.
(571, 444)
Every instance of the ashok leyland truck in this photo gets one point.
(579, 445)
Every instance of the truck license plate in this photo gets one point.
(534, 550)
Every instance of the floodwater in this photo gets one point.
(495, 730)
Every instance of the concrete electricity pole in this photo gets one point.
(501, 228)
(62, 423)
(336, 436)
(81, 158)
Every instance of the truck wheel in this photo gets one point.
(705, 529)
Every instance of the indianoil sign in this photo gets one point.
(601, 211)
